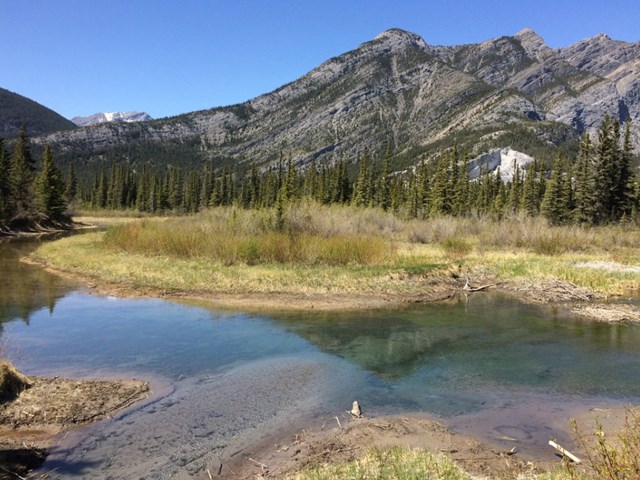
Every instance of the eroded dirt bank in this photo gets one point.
(44, 407)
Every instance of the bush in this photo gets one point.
(456, 248)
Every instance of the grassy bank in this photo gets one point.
(605, 456)
(317, 250)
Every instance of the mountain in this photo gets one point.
(111, 117)
(16, 110)
(395, 89)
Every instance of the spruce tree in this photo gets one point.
(23, 171)
(383, 188)
(440, 194)
(556, 203)
(71, 186)
(585, 194)
(5, 190)
(50, 189)
(361, 189)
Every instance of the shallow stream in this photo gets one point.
(488, 365)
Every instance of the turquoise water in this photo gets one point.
(470, 356)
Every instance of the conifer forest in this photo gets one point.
(596, 187)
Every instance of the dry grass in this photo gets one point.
(12, 382)
(612, 457)
(341, 250)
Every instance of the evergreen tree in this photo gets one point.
(362, 187)
(5, 185)
(514, 196)
(585, 194)
(533, 189)
(605, 171)
(556, 204)
(50, 189)
(23, 173)
(440, 198)
(623, 188)
(383, 188)
(71, 186)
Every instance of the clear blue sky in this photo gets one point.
(168, 57)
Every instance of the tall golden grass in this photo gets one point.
(235, 236)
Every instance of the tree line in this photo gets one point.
(29, 196)
(596, 187)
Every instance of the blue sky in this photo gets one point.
(168, 57)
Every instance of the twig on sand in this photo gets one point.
(338, 420)
(260, 464)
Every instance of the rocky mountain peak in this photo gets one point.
(532, 43)
(400, 38)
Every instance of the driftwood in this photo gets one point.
(468, 288)
(565, 452)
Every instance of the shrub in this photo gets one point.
(456, 248)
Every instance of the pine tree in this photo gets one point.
(623, 187)
(361, 189)
(514, 196)
(584, 194)
(556, 204)
(440, 198)
(5, 186)
(50, 189)
(71, 186)
(383, 189)
(23, 173)
(533, 189)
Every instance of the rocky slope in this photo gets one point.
(397, 89)
(103, 117)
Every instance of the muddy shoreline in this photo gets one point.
(48, 407)
(576, 301)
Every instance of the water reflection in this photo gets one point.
(476, 343)
(25, 289)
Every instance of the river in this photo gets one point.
(487, 365)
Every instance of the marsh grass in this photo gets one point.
(397, 463)
(243, 238)
(341, 249)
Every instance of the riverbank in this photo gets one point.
(426, 261)
(35, 409)
(30, 228)
(344, 447)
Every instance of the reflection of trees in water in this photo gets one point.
(24, 288)
(390, 348)
(498, 342)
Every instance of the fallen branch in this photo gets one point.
(261, 465)
(565, 452)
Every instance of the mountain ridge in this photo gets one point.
(398, 90)
(102, 117)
